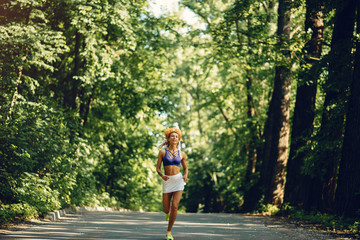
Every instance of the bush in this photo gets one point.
(19, 211)
(269, 209)
(36, 192)
(327, 221)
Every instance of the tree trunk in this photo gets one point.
(277, 139)
(16, 92)
(251, 192)
(296, 190)
(197, 100)
(20, 69)
(336, 88)
(74, 89)
(267, 162)
(85, 105)
(251, 186)
(347, 194)
(251, 149)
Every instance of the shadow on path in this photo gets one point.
(152, 226)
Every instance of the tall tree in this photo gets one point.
(253, 147)
(336, 89)
(347, 198)
(296, 190)
(278, 125)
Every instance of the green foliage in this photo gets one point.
(214, 69)
(36, 192)
(87, 88)
(268, 209)
(18, 211)
(81, 85)
(325, 221)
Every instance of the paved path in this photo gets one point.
(152, 226)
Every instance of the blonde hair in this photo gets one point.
(168, 132)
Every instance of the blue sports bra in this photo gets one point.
(171, 158)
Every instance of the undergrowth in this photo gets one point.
(324, 221)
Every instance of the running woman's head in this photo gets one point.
(173, 136)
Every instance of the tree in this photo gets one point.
(249, 31)
(347, 197)
(277, 128)
(336, 94)
(241, 51)
(296, 190)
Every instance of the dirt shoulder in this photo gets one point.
(22, 225)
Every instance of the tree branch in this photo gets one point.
(227, 120)
(207, 20)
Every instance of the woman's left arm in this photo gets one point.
(185, 168)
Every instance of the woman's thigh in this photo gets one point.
(176, 198)
(166, 201)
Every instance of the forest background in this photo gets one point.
(266, 93)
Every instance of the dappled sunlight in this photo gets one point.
(266, 95)
(152, 226)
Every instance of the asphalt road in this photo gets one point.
(152, 226)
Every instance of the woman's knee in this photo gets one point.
(166, 209)
(174, 207)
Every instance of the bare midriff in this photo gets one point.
(171, 170)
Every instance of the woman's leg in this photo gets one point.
(166, 202)
(175, 204)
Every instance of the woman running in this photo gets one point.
(173, 180)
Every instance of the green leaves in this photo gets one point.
(87, 88)
(82, 84)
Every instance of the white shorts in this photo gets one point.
(174, 183)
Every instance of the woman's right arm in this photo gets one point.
(158, 166)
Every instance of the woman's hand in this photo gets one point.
(165, 178)
(185, 177)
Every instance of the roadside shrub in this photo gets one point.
(36, 192)
(19, 211)
(269, 209)
(330, 222)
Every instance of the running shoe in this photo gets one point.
(167, 216)
(169, 236)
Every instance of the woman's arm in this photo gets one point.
(185, 168)
(158, 166)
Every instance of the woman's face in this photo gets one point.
(174, 138)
